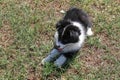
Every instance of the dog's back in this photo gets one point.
(75, 14)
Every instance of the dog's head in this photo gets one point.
(71, 30)
(67, 32)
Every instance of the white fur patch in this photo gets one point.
(57, 42)
(89, 32)
(81, 27)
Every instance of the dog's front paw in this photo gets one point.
(47, 60)
(60, 61)
(43, 61)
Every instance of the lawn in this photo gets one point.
(26, 37)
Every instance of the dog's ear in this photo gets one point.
(58, 24)
(62, 23)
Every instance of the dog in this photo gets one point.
(71, 33)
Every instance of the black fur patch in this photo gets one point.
(67, 32)
(62, 24)
(69, 35)
(75, 14)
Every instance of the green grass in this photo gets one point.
(26, 37)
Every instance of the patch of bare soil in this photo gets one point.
(93, 56)
(112, 43)
(6, 36)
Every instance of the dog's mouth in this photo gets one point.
(60, 49)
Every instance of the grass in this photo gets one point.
(26, 37)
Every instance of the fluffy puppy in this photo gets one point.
(70, 36)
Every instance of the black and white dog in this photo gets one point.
(70, 36)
